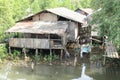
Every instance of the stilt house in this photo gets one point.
(48, 29)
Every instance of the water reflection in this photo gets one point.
(5, 72)
(83, 75)
(59, 72)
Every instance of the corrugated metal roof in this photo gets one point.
(88, 10)
(67, 13)
(40, 27)
(63, 12)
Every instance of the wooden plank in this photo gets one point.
(34, 43)
(111, 50)
(29, 43)
(48, 17)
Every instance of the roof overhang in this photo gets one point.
(63, 12)
(40, 27)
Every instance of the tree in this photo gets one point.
(10, 12)
(108, 19)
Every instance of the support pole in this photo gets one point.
(24, 51)
(50, 57)
(75, 60)
(104, 59)
(9, 50)
(61, 55)
(36, 52)
(50, 49)
(9, 45)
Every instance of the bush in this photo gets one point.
(3, 52)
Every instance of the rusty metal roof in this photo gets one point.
(63, 12)
(88, 10)
(67, 13)
(40, 27)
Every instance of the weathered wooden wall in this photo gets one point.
(36, 18)
(36, 43)
(71, 31)
(29, 43)
(45, 17)
(48, 17)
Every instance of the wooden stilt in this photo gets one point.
(9, 46)
(104, 60)
(24, 51)
(61, 55)
(9, 50)
(36, 52)
(50, 57)
(75, 60)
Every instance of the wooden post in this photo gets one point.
(36, 52)
(24, 51)
(50, 49)
(50, 57)
(61, 55)
(9, 50)
(104, 58)
(75, 60)
(9, 45)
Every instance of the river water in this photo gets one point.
(59, 72)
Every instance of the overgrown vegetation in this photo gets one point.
(45, 58)
(3, 53)
(16, 55)
(108, 19)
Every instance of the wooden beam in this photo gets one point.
(95, 39)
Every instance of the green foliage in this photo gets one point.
(50, 57)
(3, 52)
(108, 19)
(37, 58)
(15, 55)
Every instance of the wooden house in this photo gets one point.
(86, 30)
(48, 29)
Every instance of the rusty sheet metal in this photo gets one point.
(40, 27)
(69, 14)
(63, 12)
